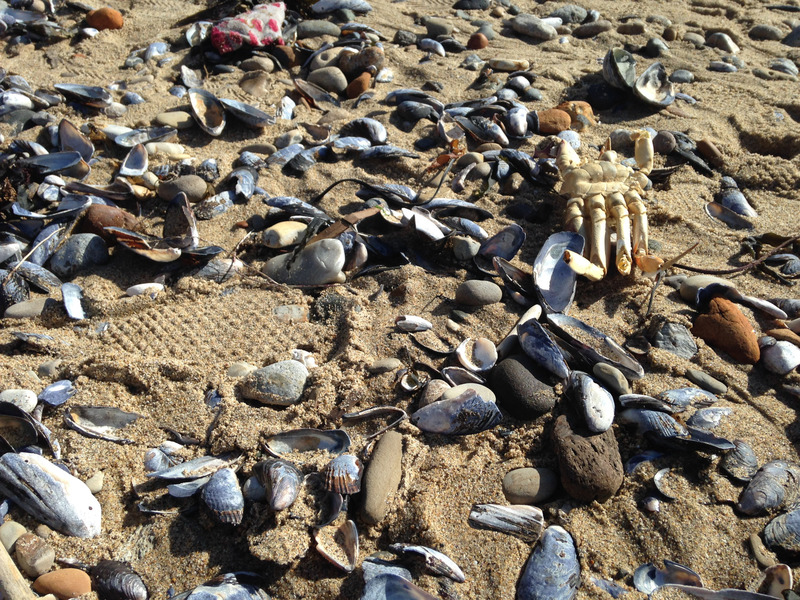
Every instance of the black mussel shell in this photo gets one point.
(553, 279)
(115, 580)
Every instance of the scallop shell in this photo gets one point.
(343, 474)
(223, 495)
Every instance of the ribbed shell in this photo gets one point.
(783, 532)
(281, 480)
(223, 495)
(115, 580)
(343, 474)
(775, 485)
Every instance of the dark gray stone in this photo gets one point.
(317, 27)
(519, 391)
(765, 32)
(706, 381)
(592, 29)
(405, 38)
(570, 13)
(672, 337)
(472, 4)
(656, 47)
(80, 251)
(681, 76)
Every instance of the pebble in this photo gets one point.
(433, 392)
(34, 556)
(792, 38)
(695, 39)
(262, 64)
(43, 531)
(99, 216)
(722, 41)
(612, 378)
(672, 337)
(405, 38)
(589, 464)
(476, 292)
(23, 399)
(656, 47)
(64, 583)
(534, 27)
(178, 119)
(725, 328)
(455, 391)
(280, 383)
(670, 34)
(193, 186)
(783, 335)
(353, 64)
(633, 27)
(283, 234)
(553, 120)
(359, 85)
(285, 55)
(708, 150)
(319, 263)
(706, 381)
(326, 58)
(664, 142)
(621, 139)
(778, 356)
(659, 20)
(290, 313)
(465, 248)
(382, 477)
(468, 159)
(570, 13)
(472, 4)
(721, 67)
(286, 139)
(765, 32)
(784, 65)
(105, 18)
(95, 482)
(487, 31)
(521, 393)
(254, 83)
(436, 26)
(477, 41)
(310, 28)
(80, 251)
(691, 285)
(588, 30)
(10, 531)
(384, 365)
(29, 309)
(681, 76)
(508, 65)
(330, 79)
(240, 369)
(529, 485)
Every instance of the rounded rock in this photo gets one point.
(10, 532)
(326, 58)
(477, 41)
(353, 64)
(34, 556)
(465, 248)
(436, 26)
(29, 309)
(529, 485)
(570, 13)
(25, 400)
(433, 392)
(80, 251)
(193, 186)
(706, 381)
(382, 477)
(726, 328)
(281, 383)
(358, 86)
(521, 393)
(64, 583)
(691, 285)
(483, 391)
(319, 263)
(384, 365)
(283, 234)
(553, 121)
(95, 482)
(179, 119)
(310, 28)
(476, 292)
(105, 18)
(330, 79)
(664, 142)
(765, 32)
(612, 377)
(533, 27)
(589, 30)
(681, 76)
(258, 63)
(633, 27)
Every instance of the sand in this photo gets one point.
(158, 357)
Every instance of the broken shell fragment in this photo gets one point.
(412, 323)
(99, 421)
(619, 69)
(648, 578)
(339, 545)
(654, 87)
(477, 354)
(436, 562)
(520, 520)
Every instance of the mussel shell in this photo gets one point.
(593, 345)
(541, 348)
(774, 486)
(505, 244)
(145, 135)
(783, 532)
(740, 463)
(16, 432)
(281, 481)
(553, 280)
(717, 211)
(207, 110)
(343, 474)
(340, 547)
(389, 585)
(195, 468)
(520, 520)
(465, 414)
(308, 440)
(223, 495)
(99, 421)
(654, 87)
(731, 197)
(371, 129)
(54, 162)
(72, 296)
(135, 163)
(592, 401)
(619, 69)
(88, 95)
(648, 578)
(437, 562)
(247, 113)
(115, 580)
(13, 290)
(71, 139)
(553, 570)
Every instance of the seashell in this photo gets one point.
(773, 487)
(654, 87)
(437, 562)
(661, 481)
(593, 401)
(248, 114)
(187, 489)
(145, 135)
(116, 580)
(99, 421)
(465, 414)
(343, 474)
(708, 418)
(54, 162)
(50, 494)
(207, 110)
(195, 468)
(135, 163)
(648, 578)
(412, 323)
(339, 547)
(371, 129)
(665, 431)
(57, 393)
(789, 264)
(505, 244)
(740, 463)
(778, 356)
(619, 69)
(13, 289)
(687, 396)
(649, 403)
(70, 138)
(717, 211)
(458, 375)
(431, 46)
(352, 143)
(308, 440)
(731, 197)
(281, 481)
(777, 579)
(783, 532)
(198, 32)
(389, 586)
(433, 342)
(477, 354)
(223, 495)
(593, 345)
(724, 594)
(89, 95)
(385, 152)
(520, 520)
(313, 94)
(515, 279)
(226, 587)
(517, 121)
(16, 430)
(539, 346)
(553, 280)
(552, 571)
(155, 459)
(150, 247)
(72, 294)
(790, 306)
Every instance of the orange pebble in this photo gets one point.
(359, 85)
(64, 583)
(477, 41)
(104, 18)
(552, 121)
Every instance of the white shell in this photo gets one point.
(477, 354)
(778, 356)
(145, 288)
(305, 357)
(169, 149)
(412, 323)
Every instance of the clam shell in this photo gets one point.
(223, 495)
(115, 580)
(783, 532)
(654, 87)
(135, 163)
(89, 95)
(774, 486)
(339, 545)
(619, 69)
(477, 354)
(553, 280)
(520, 520)
(281, 481)
(552, 571)
(343, 474)
(465, 414)
(334, 441)
(207, 110)
(50, 494)
(412, 323)
(741, 462)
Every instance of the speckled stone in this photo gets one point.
(281, 383)
(317, 264)
(23, 399)
(34, 556)
(529, 485)
(382, 477)
(706, 381)
(519, 391)
(476, 292)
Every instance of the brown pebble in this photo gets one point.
(477, 41)
(285, 55)
(104, 18)
(34, 556)
(710, 152)
(359, 85)
(553, 120)
(670, 34)
(382, 477)
(242, 224)
(64, 583)
(575, 109)
(725, 328)
(98, 216)
(785, 335)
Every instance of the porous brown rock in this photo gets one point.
(105, 18)
(725, 328)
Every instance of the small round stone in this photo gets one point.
(10, 531)
(477, 41)
(358, 86)
(34, 556)
(465, 248)
(330, 79)
(468, 159)
(283, 234)
(483, 391)
(765, 32)
(95, 482)
(50, 369)
(29, 309)
(80, 251)
(436, 26)
(178, 119)
(382, 476)
(478, 293)
(691, 285)
(633, 27)
(64, 583)
(612, 378)
(695, 39)
(310, 28)
(681, 76)
(534, 27)
(23, 399)
(570, 13)
(104, 18)
(589, 30)
(553, 121)
(280, 383)
(384, 365)
(656, 47)
(706, 381)
(258, 63)
(193, 186)
(664, 142)
(317, 264)
(529, 485)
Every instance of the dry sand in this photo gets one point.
(159, 357)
